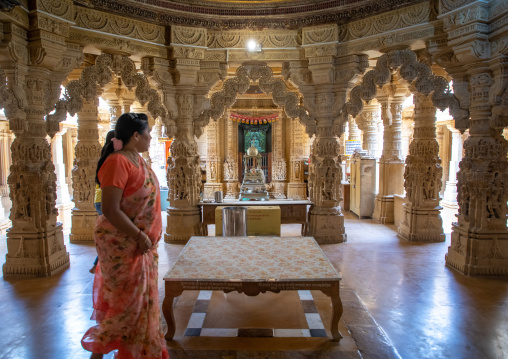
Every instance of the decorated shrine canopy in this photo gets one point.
(254, 120)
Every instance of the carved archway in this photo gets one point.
(414, 72)
(96, 77)
(222, 100)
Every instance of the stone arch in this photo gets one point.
(414, 72)
(97, 76)
(239, 84)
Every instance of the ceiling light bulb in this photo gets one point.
(252, 45)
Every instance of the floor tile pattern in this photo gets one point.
(315, 327)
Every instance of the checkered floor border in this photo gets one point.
(314, 323)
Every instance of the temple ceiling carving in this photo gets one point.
(258, 14)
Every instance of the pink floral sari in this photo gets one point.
(125, 293)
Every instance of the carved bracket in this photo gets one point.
(13, 104)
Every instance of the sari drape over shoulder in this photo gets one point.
(125, 293)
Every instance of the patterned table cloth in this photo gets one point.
(252, 259)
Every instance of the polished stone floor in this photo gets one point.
(399, 300)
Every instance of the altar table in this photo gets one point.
(252, 265)
(290, 211)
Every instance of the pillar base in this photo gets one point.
(384, 210)
(183, 224)
(449, 214)
(83, 224)
(422, 224)
(35, 254)
(297, 190)
(478, 254)
(326, 225)
(210, 188)
(65, 214)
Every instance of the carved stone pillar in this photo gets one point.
(326, 222)
(5, 157)
(391, 163)
(115, 111)
(5, 163)
(407, 131)
(72, 141)
(231, 161)
(63, 199)
(83, 174)
(35, 242)
(296, 186)
(354, 132)
(367, 123)
(479, 244)
(449, 202)
(478, 65)
(213, 159)
(157, 151)
(184, 177)
(444, 149)
(137, 108)
(126, 105)
(423, 172)
(279, 165)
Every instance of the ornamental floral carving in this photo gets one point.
(60, 8)
(320, 34)
(448, 5)
(119, 25)
(374, 25)
(188, 36)
(266, 38)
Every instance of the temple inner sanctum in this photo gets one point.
(377, 128)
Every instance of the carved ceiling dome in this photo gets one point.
(247, 14)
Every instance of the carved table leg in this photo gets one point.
(171, 291)
(337, 311)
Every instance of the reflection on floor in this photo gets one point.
(425, 309)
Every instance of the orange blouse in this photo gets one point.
(119, 172)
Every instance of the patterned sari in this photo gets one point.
(125, 293)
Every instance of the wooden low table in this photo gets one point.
(252, 265)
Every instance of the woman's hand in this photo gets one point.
(144, 242)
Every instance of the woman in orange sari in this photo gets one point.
(125, 294)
